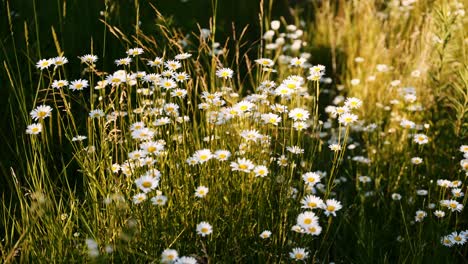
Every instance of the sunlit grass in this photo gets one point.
(189, 151)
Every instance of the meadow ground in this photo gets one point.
(234, 131)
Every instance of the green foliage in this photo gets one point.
(112, 171)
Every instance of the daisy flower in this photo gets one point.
(172, 65)
(396, 196)
(464, 164)
(353, 103)
(203, 155)
(78, 85)
(156, 62)
(242, 164)
(271, 118)
(186, 260)
(311, 202)
(60, 61)
(115, 167)
(283, 91)
(183, 56)
(339, 110)
(201, 191)
(291, 83)
(138, 198)
(331, 206)
(407, 124)
(41, 112)
(143, 134)
(453, 205)
(456, 238)
(222, 155)
(225, 73)
(282, 161)
(134, 52)
(298, 254)
(159, 200)
(58, 84)
(314, 229)
(260, 171)
(364, 179)
(439, 213)
(88, 58)
(78, 138)
(167, 83)
(446, 241)
(34, 129)
(265, 234)
(347, 118)
(180, 76)
(169, 255)
(44, 63)
(295, 149)
(265, 62)
(300, 125)
(421, 139)
(250, 135)
(299, 114)
(204, 229)
(123, 61)
(147, 183)
(152, 147)
(137, 154)
(335, 147)
(307, 219)
(420, 215)
(464, 148)
(297, 62)
(275, 24)
(457, 192)
(311, 178)
(96, 113)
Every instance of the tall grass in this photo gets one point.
(275, 159)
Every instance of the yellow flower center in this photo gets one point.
(146, 184)
(151, 149)
(242, 166)
(331, 208)
(299, 255)
(308, 221)
(312, 204)
(204, 230)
